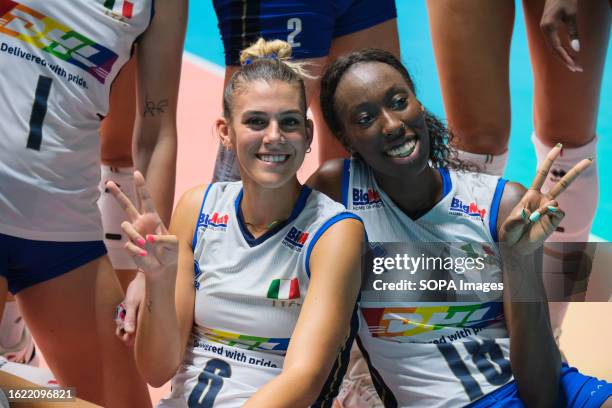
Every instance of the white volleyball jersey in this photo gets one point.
(249, 294)
(58, 59)
(427, 353)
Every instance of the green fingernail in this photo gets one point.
(524, 214)
(559, 145)
(553, 209)
(534, 217)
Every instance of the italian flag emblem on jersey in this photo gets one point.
(284, 289)
(122, 7)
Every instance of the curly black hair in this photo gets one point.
(442, 154)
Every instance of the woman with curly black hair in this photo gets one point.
(443, 348)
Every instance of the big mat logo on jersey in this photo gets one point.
(402, 324)
(215, 222)
(28, 25)
(295, 239)
(363, 199)
(457, 207)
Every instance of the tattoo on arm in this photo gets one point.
(154, 108)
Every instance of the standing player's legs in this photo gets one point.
(565, 110)
(117, 165)
(384, 36)
(71, 316)
(471, 41)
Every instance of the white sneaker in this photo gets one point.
(358, 392)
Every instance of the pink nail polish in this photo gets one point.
(151, 238)
(143, 253)
(141, 242)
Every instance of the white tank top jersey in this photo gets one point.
(249, 294)
(432, 354)
(58, 59)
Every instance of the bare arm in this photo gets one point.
(169, 301)
(166, 259)
(529, 218)
(536, 376)
(154, 144)
(323, 324)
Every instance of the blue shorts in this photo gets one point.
(576, 391)
(24, 262)
(308, 25)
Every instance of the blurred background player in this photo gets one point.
(51, 241)
(318, 31)
(567, 42)
(117, 165)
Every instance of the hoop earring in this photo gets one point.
(308, 150)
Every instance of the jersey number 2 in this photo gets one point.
(209, 384)
(39, 110)
(496, 368)
(294, 24)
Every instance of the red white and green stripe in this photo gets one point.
(123, 7)
(284, 289)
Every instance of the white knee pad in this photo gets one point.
(565, 270)
(579, 201)
(113, 215)
(494, 165)
(16, 343)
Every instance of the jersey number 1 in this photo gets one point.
(39, 110)
(209, 384)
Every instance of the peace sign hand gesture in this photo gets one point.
(537, 215)
(159, 251)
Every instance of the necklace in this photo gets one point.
(267, 227)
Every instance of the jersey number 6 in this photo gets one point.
(209, 384)
(39, 110)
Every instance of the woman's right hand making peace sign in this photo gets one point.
(153, 249)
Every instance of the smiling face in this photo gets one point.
(382, 120)
(269, 131)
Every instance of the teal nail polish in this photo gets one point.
(553, 209)
(534, 217)
(524, 214)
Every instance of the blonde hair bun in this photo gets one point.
(262, 49)
(273, 50)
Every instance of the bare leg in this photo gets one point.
(125, 276)
(71, 318)
(566, 103)
(383, 36)
(565, 110)
(471, 42)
